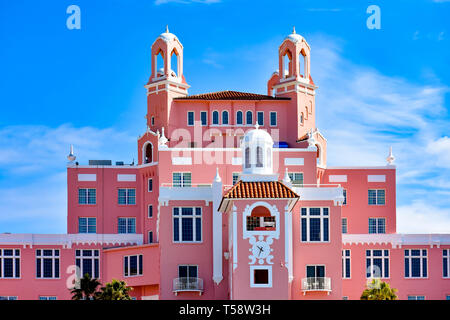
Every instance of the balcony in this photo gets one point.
(188, 285)
(316, 284)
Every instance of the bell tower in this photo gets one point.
(166, 81)
(293, 80)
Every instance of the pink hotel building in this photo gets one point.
(238, 203)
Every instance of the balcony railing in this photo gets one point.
(316, 284)
(187, 284)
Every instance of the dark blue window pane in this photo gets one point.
(415, 267)
(406, 253)
(140, 264)
(82, 196)
(415, 252)
(133, 265)
(314, 229)
(198, 229)
(198, 211)
(368, 268)
(325, 229)
(445, 268)
(187, 233)
(176, 211)
(304, 234)
(215, 117)
(203, 118)
(386, 268)
(224, 117)
(406, 268)
(125, 265)
(249, 117)
(239, 117)
(260, 118)
(314, 211)
(424, 267)
(377, 267)
(48, 268)
(38, 268)
(17, 267)
(377, 253)
(176, 228)
(87, 267)
(325, 211)
(303, 211)
(96, 268)
(347, 268)
(186, 211)
(56, 268)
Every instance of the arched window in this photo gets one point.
(287, 65)
(153, 121)
(159, 64)
(224, 117)
(301, 118)
(148, 156)
(261, 220)
(302, 64)
(174, 62)
(239, 118)
(247, 157)
(249, 117)
(215, 117)
(259, 157)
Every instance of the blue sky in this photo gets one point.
(376, 88)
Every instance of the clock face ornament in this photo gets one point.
(260, 250)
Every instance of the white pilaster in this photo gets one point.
(217, 229)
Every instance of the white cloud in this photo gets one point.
(421, 217)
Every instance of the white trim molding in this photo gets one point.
(126, 178)
(87, 177)
(397, 240)
(376, 178)
(294, 161)
(337, 178)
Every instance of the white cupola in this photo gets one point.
(257, 152)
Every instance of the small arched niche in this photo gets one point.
(148, 153)
(174, 63)
(261, 220)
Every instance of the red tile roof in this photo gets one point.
(258, 190)
(231, 95)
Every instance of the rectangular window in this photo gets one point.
(315, 224)
(273, 119)
(132, 265)
(47, 263)
(190, 116)
(47, 298)
(315, 271)
(150, 237)
(127, 196)
(377, 264)
(86, 196)
(89, 262)
(345, 196)
(8, 297)
(346, 264)
(126, 225)
(181, 179)
(416, 264)
(260, 115)
(416, 297)
(87, 225)
(9, 263)
(296, 178)
(445, 263)
(150, 211)
(187, 224)
(344, 225)
(261, 223)
(377, 197)
(204, 117)
(260, 277)
(377, 225)
(235, 177)
(150, 185)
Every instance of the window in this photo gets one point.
(344, 225)
(416, 263)
(153, 121)
(261, 223)
(188, 274)
(215, 117)
(86, 196)
(8, 297)
(190, 118)
(235, 177)
(204, 118)
(315, 224)
(445, 263)
(416, 297)
(377, 197)
(150, 237)
(89, 262)
(377, 225)
(132, 265)
(249, 117)
(260, 116)
(181, 179)
(259, 157)
(247, 157)
(47, 298)
(345, 196)
(150, 211)
(296, 178)
(187, 224)
(150, 185)
(224, 117)
(87, 225)
(239, 118)
(127, 196)
(127, 225)
(447, 297)
(260, 277)
(9, 263)
(47, 263)
(377, 263)
(148, 152)
(273, 119)
(346, 264)
(315, 271)
(301, 119)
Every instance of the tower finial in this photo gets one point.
(71, 157)
(390, 159)
(257, 126)
(293, 30)
(167, 28)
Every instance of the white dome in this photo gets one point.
(294, 37)
(257, 148)
(258, 136)
(167, 36)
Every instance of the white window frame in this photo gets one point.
(92, 257)
(242, 122)
(150, 183)
(252, 277)
(53, 257)
(276, 118)
(322, 217)
(193, 118)
(148, 237)
(292, 176)
(344, 265)
(138, 266)
(416, 297)
(42, 298)
(218, 118)
(246, 122)
(344, 192)
(257, 118)
(344, 225)
(235, 174)
(87, 225)
(376, 197)
(127, 224)
(420, 257)
(201, 121)
(182, 180)
(228, 117)
(377, 224)
(447, 258)
(87, 197)
(8, 298)
(148, 211)
(14, 258)
(127, 197)
(194, 216)
(383, 258)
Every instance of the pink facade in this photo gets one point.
(231, 198)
